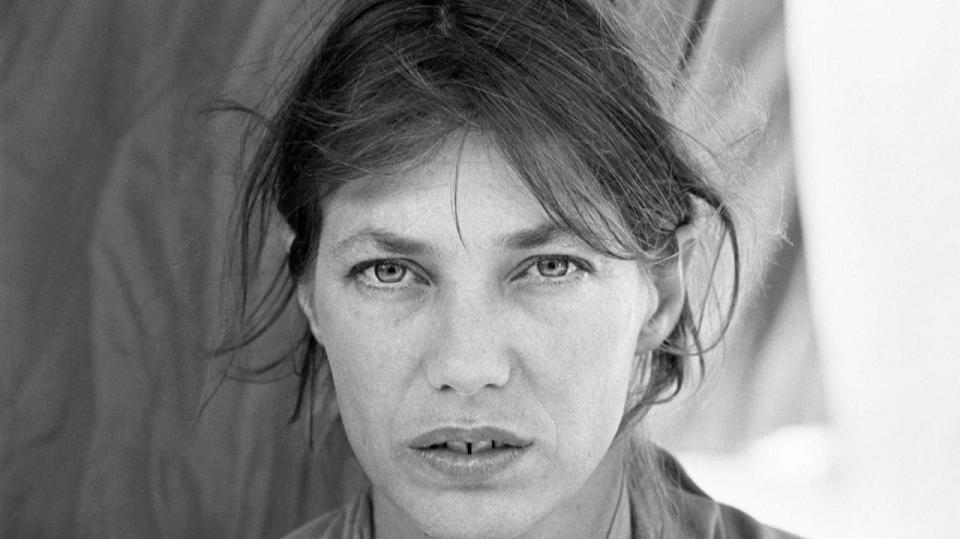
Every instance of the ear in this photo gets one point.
(671, 292)
(305, 300)
(287, 236)
(304, 287)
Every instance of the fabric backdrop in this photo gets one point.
(116, 185)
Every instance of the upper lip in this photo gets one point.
(472, 435)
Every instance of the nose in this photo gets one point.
(470, 353)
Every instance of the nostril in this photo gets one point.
(469, 387)
(465, 362)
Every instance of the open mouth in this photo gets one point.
(471, 441)
(469, 456)
(470, 448)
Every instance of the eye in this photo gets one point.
(554, 269)
(389, 272)
(388, 275)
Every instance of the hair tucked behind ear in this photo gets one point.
(559, 87)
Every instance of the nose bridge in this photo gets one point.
(471, 354)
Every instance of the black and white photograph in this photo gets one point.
(533, 269)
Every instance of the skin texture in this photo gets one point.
(538, 339)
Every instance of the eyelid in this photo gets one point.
(356, 272)
(580, 264)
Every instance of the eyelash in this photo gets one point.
(358, 273)
(576, 269)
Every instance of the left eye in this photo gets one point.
(553, 267)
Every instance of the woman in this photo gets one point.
(488, 221)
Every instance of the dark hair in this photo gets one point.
(558, 87)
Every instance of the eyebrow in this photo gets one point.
(544, 234)
(391, 242)
(385, 240)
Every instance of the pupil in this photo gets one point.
(552, 268)
(390, 273)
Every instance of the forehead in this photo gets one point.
(466, 192)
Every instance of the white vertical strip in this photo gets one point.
(876, 113)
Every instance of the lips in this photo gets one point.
(468, 441)
(468, 458)
(470, 448)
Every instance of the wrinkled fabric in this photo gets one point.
(116, 188)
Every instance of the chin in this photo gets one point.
(467, 517)
(473, 529)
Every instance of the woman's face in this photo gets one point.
(481, 358)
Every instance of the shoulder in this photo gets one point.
(698, 515)
(710, 519)
(351, 520)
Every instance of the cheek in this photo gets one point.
(369, 374)
(580, 368)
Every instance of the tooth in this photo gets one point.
(482, 446)
(457, 447)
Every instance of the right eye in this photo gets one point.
(388, 272)
(386, 275)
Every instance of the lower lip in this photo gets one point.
(475, 468)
